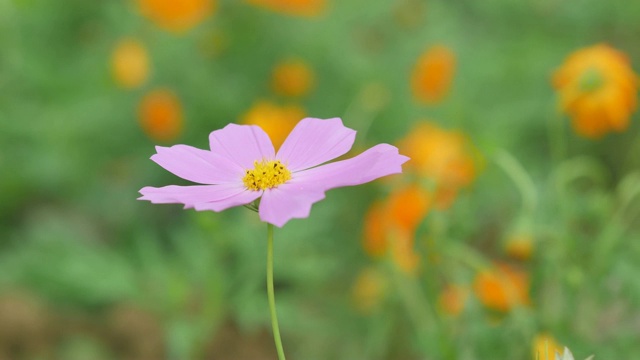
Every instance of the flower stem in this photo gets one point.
(520, 178)
(272, 299)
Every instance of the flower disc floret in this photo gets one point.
(591, 80)
(266, 175)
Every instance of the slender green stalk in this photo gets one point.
(422, 312)
(615, 229)
(272, 299)
(520, 178)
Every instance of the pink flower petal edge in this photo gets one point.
(288, 201)
(197, 195)
(235, 148)
(199, 166)
(242, 144)
(378, 161)
(314, 141)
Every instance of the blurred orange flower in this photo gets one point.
(177, 16)
(160, 115)
(597, 89)
(545, 347)
(502, 288)
(277, 121)
(374, 239)
(433, 74)
(442, 156)
(369, 290)
(452, 299)
(293, 7)
(391, 225)
(292, 77)
(129, 63)
(407, 207)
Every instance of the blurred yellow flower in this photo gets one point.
(452, 299)
(403, 252)
(597, 89)
(369, 290)
(433, 74)
(545, 347)
(441, 156)
(277, 121)
(391, 226)
(293, 7)
(502, 288)
(129, 63)
(292, 77)
(519, 246)
(176, 16)
(160, 115)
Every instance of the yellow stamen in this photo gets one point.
(266, 175)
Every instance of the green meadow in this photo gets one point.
(523, 228)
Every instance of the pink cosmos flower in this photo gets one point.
(243, 166)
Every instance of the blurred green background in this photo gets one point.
(88, 272)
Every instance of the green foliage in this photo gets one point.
(73, 156)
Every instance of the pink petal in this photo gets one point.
(202, 197)
(243, 198)
(242, 144)
(315, 141)
(288, 201)
(197, 165)
(376, 162)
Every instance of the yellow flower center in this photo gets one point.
(591, 80)
(266, 175)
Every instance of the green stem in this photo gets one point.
(422, 312)
(557, 138)
(272, 299)
(615, 229)
(520, 178)
(558, 150)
